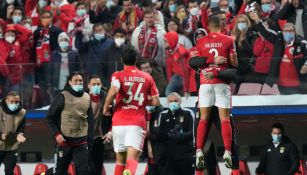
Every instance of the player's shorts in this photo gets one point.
(214, 95)
(128, 136)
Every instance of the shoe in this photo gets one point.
(127, 172)
(227, 159)
(200, 160)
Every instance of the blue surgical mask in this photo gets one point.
(95, 90)
(42, 3)
(16, 19)
(99, 36)
(57, 3)
(150, 108)
(13, 107)
(241, 26)
(266, 8)
(276, 138)
(172, 8)
(289, 36)
(81, 12)
(174, 106)
(63, 45)
(77, 87)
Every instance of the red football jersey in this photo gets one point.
(212, 45)
(135, 87)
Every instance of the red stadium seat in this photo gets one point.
(267, 90)
(17, 170)
(250, 89)
(302, 170)
(71, 169)
(40, 168)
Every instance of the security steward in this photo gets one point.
(280, 156)
(12, 127)
(176, 127)
(70, 118)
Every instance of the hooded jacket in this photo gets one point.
(177, 60)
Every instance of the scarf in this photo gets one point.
(129, 18)
(148, 45)
(43, 47)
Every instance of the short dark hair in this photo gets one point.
(120, 30)
(81, 3)
(97, 25)
(214, 21)
(93, 76)
(149, 11)
(47, 11)
(69, 77)
(146, 3)
(279, 126)
(129, 55)
(12, 93)
(140, 62)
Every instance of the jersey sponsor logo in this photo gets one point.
(269, 150)
(181, 119)
(282, 150)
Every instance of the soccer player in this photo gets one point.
(133, 90)
(220, 52)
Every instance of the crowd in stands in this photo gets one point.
(43, 41)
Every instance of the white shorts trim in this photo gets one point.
(128, 136)
(218, 95)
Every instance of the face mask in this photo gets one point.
(110, 4)
(174, 106)
(28, 26)
(63, 44)
(150, 108)
(10, 39)
(266, 8)
(224, 9)
(16, 19)
(95, 90)
(10, 1)
(42, 3)
(81, 12)
(57, 3)
(99, 36)
(276, 138)
(194, 11)
(77, 87)
(241, 26)
(13, 107)
(119, 41)
(289, 36)
(172, 8)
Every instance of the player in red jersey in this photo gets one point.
(220, 52)
(133, 90)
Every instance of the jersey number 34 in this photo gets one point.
(139, 97)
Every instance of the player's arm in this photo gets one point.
(109, 100)
(153, 94)
(154, 101)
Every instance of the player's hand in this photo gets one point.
(107, 137)
(21, 138)
(60, 139)
(106, 110)
(220, 60)
(208, 75)
(303, 69)
(3, 136)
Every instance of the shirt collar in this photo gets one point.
(130, 68)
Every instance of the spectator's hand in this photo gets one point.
(208, 75)
(203, 5)
(220, 60)
(304, 69)
(60, 139)
(93, 4)
(21, 138)
(254, 16)
(107, 137)
(3, 136)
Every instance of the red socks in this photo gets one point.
(226, 134)
(132, 165)
(235, 172)
(119, 169)
(202, 133)
(199, 173)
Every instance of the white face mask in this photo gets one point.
(10, 1)
(28, 26)
(195, 11)
(10, 39)
(119, 41)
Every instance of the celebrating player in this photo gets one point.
(133, 90)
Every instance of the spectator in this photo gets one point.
(128, 18)
(280, 155)
(159, 18)
(63, 62)
(3, 68)
(176, 128)
(12, 128)
(181, 15)
(112, 58)
(169, 9)
(294, 11)
(193, 20)
(17, 15)
(96, 47)
(147, 39)
(64, 13)
(9, 12)
(289, 56)
(37, 10)
(99, 13)
(174, 26)
(113, 6)
(4, 7)
(270, 9)
(224, 7)
(156, 73)
(176, 65)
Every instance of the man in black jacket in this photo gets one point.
(70, 118)
(176, 127)
(280, 156)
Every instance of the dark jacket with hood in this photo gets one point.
(282, 160)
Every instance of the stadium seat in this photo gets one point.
(303, 169)
(71, 169)
(267, 90)
(17, 170)
(244, 168)
(250, 89)
(40, 168)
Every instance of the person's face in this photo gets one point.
(17, 13)
(146, 68)
(222, 18)
(181, 14)
(172, 26)
(171, 3)
(127, 6)
(150, 19)
(12, 99)
(192, 5)
(46, 19)
(10, 33)
(119, 35)
(81, 7)
(173, 98)
(99, 29)
(296, 3)
(266, 1)
(276, 131)
(94, 82)
(76, 80)
(288, 29)
(223, 4)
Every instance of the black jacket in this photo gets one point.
(283, 160)
(54, 118)
(104, 16)
(177, 133)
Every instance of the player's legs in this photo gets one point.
(118, 133)
(120, 163)
(9, 161)
(63, 159)
(132, 161)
